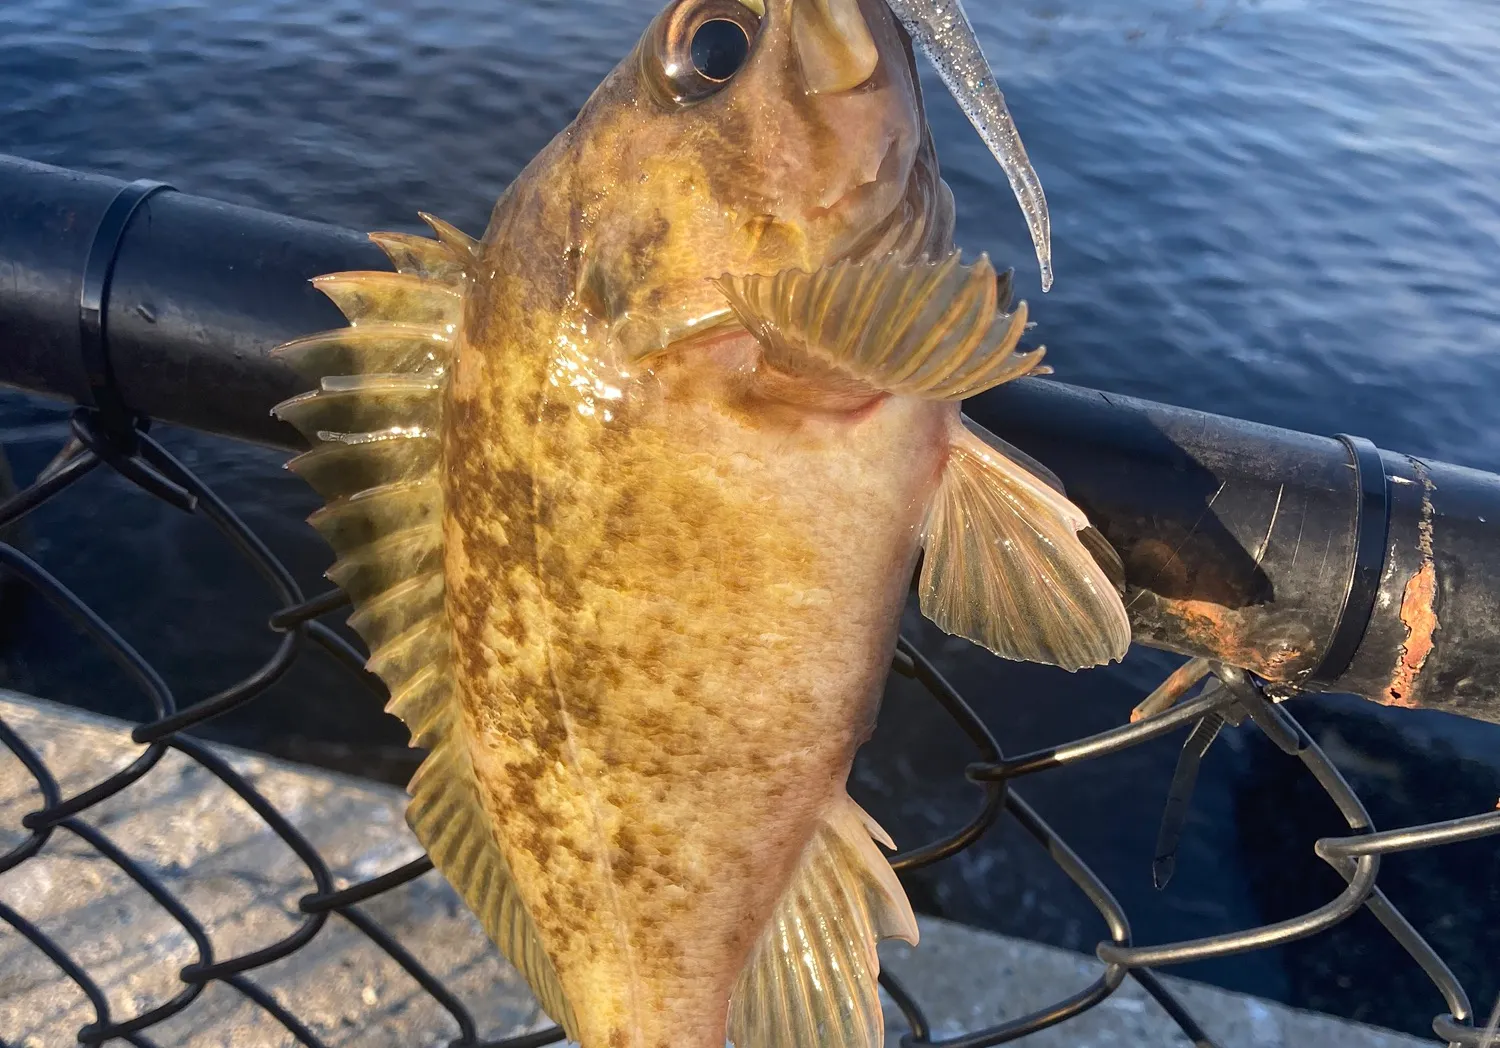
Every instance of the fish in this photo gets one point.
(629, 494)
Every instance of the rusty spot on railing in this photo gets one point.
(1418, 607)
(1420, 618)
(1248, 637)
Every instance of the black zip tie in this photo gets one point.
(116, 418)
(1252, 701)
(121, 452)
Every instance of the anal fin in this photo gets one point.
(1004, 565)
(811, 980)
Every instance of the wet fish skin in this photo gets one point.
(628, 495)
(672, 611)
(717, 617)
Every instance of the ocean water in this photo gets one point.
(1285, 210)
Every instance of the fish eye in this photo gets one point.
(698, 46)
(720, 47)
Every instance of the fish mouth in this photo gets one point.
(916, 222)
(857, 196)
(919, 223)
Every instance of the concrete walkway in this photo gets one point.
(233, 874)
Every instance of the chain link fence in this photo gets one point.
(1202, 697)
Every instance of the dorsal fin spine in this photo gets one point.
(374, 421)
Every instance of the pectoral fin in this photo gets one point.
(1005, 565)
(1015, 454)
(920, 329)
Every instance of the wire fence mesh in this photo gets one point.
(1202, 697)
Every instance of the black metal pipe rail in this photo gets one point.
(136, 302)
(1316, 562)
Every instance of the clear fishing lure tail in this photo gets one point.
(942, 32)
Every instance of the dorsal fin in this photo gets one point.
(460, 243)
(433, 259)
(811, 981)
(374, 424)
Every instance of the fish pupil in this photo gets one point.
(719, 49)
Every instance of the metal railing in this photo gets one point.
(1202, 697)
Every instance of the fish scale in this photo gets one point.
(628, 495)
(644, 694)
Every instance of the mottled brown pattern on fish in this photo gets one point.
(656, 652)
(673, 558)
(670, 631)
(671, 615)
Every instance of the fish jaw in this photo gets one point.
(671, 631)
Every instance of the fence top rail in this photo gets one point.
(1314, 562)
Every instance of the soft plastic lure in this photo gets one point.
(942, 32)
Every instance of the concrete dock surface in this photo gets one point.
(231, 872)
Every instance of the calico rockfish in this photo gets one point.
(628, 496)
